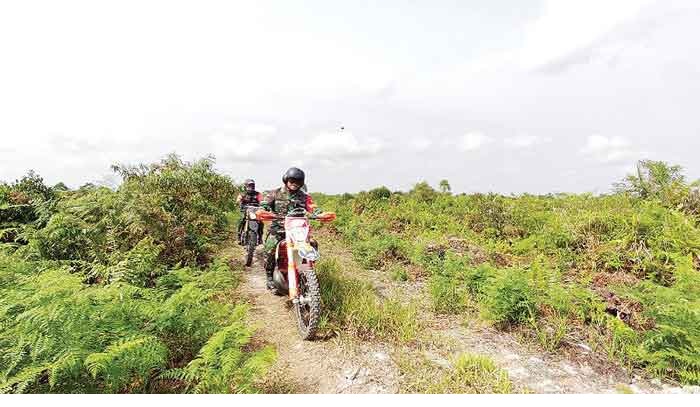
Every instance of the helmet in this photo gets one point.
(249, 184)
(294, 173)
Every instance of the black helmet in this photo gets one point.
(294, 173)
(249, 183)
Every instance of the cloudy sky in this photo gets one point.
(507, 96)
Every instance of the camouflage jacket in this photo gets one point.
(248, 198)
(282, 200)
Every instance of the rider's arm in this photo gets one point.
(259, 197)
(311, 206)
(239, 198)
(268, 201)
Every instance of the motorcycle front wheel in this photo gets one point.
(252, 242)
(308, 308)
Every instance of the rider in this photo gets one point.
(250, 197)
(289, 196)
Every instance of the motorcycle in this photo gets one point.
(294, 273)
(251, 234)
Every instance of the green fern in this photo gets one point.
(127, 361)
(223, 365)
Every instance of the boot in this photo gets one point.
(269, 269)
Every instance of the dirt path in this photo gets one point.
(332, 366)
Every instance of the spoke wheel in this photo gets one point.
(308, 309)
(252, 243)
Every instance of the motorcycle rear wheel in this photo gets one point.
(308, 311)
(252, 242)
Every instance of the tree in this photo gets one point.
(652, 180)
(422, 191)
(379, 193)
(60, 187)
(445, 186)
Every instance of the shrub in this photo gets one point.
(509, 299)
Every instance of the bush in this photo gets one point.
(181, 206)
(509, 299)
(673, 345)
(102, 290)
(380, 251)
(65, 237)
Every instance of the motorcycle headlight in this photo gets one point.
(251, 215)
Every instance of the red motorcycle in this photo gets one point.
(297, 277)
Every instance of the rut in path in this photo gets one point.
(319, 366)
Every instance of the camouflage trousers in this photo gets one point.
(273, 238)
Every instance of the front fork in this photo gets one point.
(292, 260)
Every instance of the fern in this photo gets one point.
(127, 361)
(223, 365)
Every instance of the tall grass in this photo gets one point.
(352, 305)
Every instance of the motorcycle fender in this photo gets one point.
(253, 226)
(309, 253)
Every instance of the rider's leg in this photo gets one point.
(270, 263)
(241, 222)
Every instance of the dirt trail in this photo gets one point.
(342, 365)
(330, 366)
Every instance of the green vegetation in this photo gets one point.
(467, 374)
(351, 304)
(619, 271)
(121, 291)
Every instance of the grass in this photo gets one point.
(351, 305)
(467, 374)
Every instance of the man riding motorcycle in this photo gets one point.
(289, 196)
(250, 197)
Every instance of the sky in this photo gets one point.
(512, 96)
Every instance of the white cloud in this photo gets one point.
(473, 141)
(334, 146)
(569, 25)
(243, 142)
(525, 141)
(597, 143)
(420, 143)
(611, 150)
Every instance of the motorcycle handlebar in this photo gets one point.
(323, 217)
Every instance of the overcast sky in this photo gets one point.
(507, 96)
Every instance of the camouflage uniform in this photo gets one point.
(281, 201)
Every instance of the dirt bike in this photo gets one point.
(251, 234)
(297, 277)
